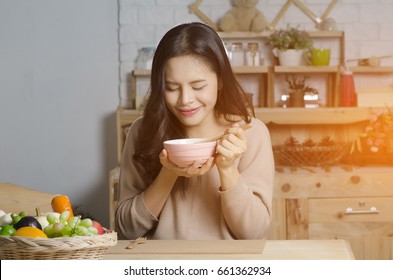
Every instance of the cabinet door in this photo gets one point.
(278, 228)
(367, 222)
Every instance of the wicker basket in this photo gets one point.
(61, 248)
(310, 156)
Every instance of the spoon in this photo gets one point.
(244, 127)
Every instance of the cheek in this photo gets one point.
(170, 99)
(214, 99)
(169, 104)
(211, 96)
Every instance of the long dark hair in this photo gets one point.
(158, 124)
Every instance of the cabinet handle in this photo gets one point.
(372, 210)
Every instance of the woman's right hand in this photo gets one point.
(196, 169)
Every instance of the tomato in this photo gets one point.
(30, 232)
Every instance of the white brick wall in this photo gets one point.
(368, 26)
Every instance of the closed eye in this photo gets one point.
(198, 87)
(171, 89)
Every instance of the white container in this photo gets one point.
(290, 57)
(237, 54)
(144, 60)
(253, 57)
(228, 49)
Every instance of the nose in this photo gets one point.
(187, 96)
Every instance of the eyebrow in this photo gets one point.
(192, 82)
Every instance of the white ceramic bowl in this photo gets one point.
(183, 152)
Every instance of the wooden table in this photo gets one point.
(233, 249)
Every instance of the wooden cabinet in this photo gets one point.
(271, 96)
(261, 80)
(342, 202)
(356, 206)
(353, 204)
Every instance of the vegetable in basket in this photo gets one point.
(5, 219)
(32, 232)
(7, 230)
(42, 217)
(62, 203)
(28, 221)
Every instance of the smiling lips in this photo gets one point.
(188, 112)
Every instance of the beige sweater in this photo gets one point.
(203, 211)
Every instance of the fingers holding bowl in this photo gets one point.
(189, 155)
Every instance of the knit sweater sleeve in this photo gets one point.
(247, 206)
(133, 219)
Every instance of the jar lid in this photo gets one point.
(237, 45)
(253, 46)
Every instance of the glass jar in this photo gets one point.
(237, 54)
(144, 60)
(228, 49)
(253, 57)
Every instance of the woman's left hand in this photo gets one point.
(196, 169)
(230, 147)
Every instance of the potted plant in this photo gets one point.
(289, 45)
(298, 88)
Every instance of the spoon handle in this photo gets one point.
(244, 127)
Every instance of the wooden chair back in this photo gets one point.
(124, 119)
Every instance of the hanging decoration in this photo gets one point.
(319, 20)
(194, 7)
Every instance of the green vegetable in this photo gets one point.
(15, 218)
(7, 230)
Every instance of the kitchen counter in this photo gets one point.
(232, 249)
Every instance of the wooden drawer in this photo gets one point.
(350, 217)
(357, 209)
(338, 183)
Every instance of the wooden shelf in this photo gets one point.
(236, 69)
(306, 116)
(337, 115)
(306, 69)
(251, 69)
(261, 35)
(141, 73)
(267, 73)
(243, 35)
(371, 70)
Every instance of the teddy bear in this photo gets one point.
(244, 16)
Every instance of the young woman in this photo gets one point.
(194, 93)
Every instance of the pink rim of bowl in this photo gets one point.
(183, 152)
